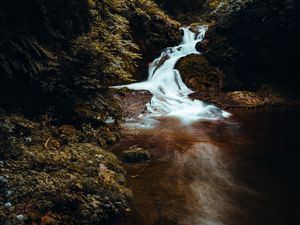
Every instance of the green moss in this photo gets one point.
(81, 177)
(55, 160)
(92, 3)
(53, 175)
(265, 96)
(199, 75)
(213, 4)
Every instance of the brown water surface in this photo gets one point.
(240, 171)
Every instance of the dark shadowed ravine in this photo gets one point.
(149, 112)
(238, 171)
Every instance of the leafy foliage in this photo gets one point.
(67, 52)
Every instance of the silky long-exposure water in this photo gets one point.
(205, 169)
(239, 171)
(170, 94)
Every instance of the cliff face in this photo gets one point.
(250, 52)
(255, 42)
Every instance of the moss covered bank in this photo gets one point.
(57, 59)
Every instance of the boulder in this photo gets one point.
(255, 42)
(202, 46)
(136, 154)
(198, 74)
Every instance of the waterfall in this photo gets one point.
(170, 94)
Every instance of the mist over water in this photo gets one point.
(170, 94)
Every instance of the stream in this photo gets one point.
(208, 166)
(170, 94)
(240, 171)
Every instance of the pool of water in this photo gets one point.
(239, 171)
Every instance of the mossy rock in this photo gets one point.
(213, 4)
(68, 134)
(135, 154)
(198, 74)
(82, 177)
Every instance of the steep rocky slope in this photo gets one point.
(256, 43)
(69, 52)
(251, 46)
(57, 59)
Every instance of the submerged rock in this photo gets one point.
(132, 103)
(136, 154)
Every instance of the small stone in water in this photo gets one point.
(8, 193)
(136, 154)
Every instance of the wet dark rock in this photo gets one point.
(255, 43)
(198, 74)
(136, 154)
(202, 46)
(153, 30)
(132, 103)
(265, 96)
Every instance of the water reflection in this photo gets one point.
(212, 173)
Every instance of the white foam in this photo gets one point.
(170, 94)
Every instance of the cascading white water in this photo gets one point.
(170, 94)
